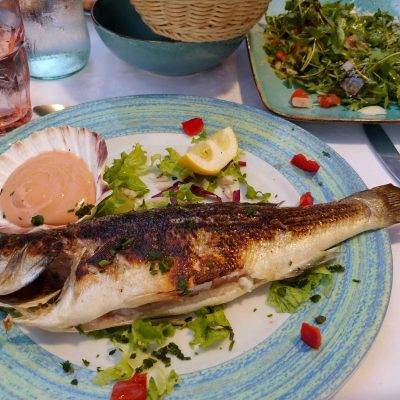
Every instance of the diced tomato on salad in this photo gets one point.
(301, 99)
(329, 100)
(311, 335)
(193, 127)
(306, 200)
(301, 161)
(280, 55)
(131, 389)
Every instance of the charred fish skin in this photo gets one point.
(157, 256)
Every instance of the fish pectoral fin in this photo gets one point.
(20, 270)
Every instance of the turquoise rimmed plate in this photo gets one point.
(276, 96)
(268, 360)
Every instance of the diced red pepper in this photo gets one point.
(236, 196)
(306, 200)
(311, 335)
(329, 100)
(242, 163)
(280, 55)
(300, 161)
(193, 126)
(131, 389)
(300, 98)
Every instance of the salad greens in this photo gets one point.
(331, 48)
(145, 346)
(290, 294)
(124, 179)
(210, 326)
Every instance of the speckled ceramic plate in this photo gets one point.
(276, 96)
(268, 360)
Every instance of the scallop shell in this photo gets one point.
(87, 145)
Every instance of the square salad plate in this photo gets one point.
(276, 95)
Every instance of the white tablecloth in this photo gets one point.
(378, 377)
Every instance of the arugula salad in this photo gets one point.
(146, 347)
(333, 50)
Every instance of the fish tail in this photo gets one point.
(384, 202)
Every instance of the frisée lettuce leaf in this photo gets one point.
(123, 178)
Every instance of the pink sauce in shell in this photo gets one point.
(50, 184)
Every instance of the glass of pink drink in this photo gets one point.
(15, 104)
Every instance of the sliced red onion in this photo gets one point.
(174, 188)
(199, 191)
(236, 196)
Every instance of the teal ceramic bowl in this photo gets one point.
(129, 38)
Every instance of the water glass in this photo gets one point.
(57, 37)
(15, 104)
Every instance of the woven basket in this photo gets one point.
(201, 20)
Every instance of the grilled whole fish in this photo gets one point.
(110, 271)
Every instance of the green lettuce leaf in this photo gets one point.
(253, 194)
(161, 384)
(121, 371)
(123, 178)
(146, 333)
(185, 195)
(128, 165)
(209, 327)
(233, 169)
(169, 164)
(117, 203)
(132, 341)
(290, 294)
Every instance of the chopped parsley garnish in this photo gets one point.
(123, 244)
(98, 369)
(269, 315)
(86, 363)
(154, 255)
(338, 268)
(67, 367)
(147, 364)
(356, 280)
(182, 286)
(74, 382)
(200, 137)
(162, 266)
(231, 339)
(37, 220)
(111, 352)
(326, 154)
(171, 348)
(250, 211)
(315, 298)
(104, 263)
(320, 319)
(12, 194)
(190, 224)
(83, 210)
(254, 309)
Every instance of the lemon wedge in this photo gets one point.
(209, 156)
